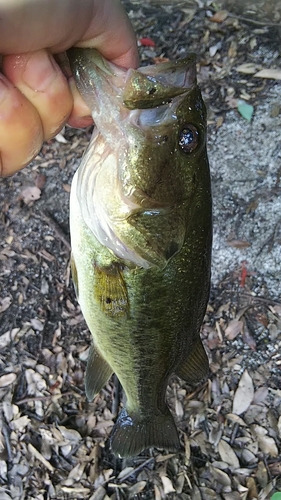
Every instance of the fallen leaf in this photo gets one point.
(136, 488)
(274, 74)
(248, 338)
(70, 434)
(5, 303)
(227, 454)
(19, 424)
(160, 60)
(60, 138)
(246, 110)
(8, 337)
(167, 485)
(37, 324)
(147, 42)
(233, 329)
(219, 16)
(266, 443)
(251, 485)
(219, 121)
(239, 243)
(40, 181)
(7, 379)
(66, 187)
(243, 395)
(247, 68)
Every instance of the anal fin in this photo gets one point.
(196, 366)
(98, 372)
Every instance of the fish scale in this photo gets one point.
(141, 235)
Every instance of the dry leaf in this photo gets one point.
(136, 488)
(251, 485)
(66, 187)
(37, 324)
(167, 485)
(247, 337)
(219, 16)
(243, 395)
(40, 181)
(239, 243)
(99, 494)
(233, 329)
(60, 137)
(5, 303)
(219, 121)
(160, 60)
(236, 419)
(274, 74)
(8, 337)
(260, 395)
(227, 454)
(19, 424)
(266, 443)
(7, 379)
(247, 68)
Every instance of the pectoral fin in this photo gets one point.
(111, 291)
(196, 366)
(97, 373)
(74, 275)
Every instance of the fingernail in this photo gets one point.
(4, 88)
(40, 71)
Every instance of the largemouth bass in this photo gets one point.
(141, 230)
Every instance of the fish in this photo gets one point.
(141, 238)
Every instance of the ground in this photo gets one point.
(53, 443)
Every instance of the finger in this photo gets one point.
(80, 116)
(21, 132)
(59, 25)
(111, 32)
(40, 79)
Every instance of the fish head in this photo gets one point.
(138, 180)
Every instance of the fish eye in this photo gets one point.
(188, 138)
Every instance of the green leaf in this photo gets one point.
(276, 496)
(246, 110)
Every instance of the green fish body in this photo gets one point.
(141, 231)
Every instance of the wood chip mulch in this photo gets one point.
(53, 443)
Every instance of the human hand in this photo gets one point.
(36, 99)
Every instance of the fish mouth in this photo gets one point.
(126, 212)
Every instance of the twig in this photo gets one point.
(43, 398)
(137, 469)
(247, 19)
(253, 21)
(255, 298)
(5, 432)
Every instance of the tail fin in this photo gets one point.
(131, 435)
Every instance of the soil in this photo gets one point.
(53, 443)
